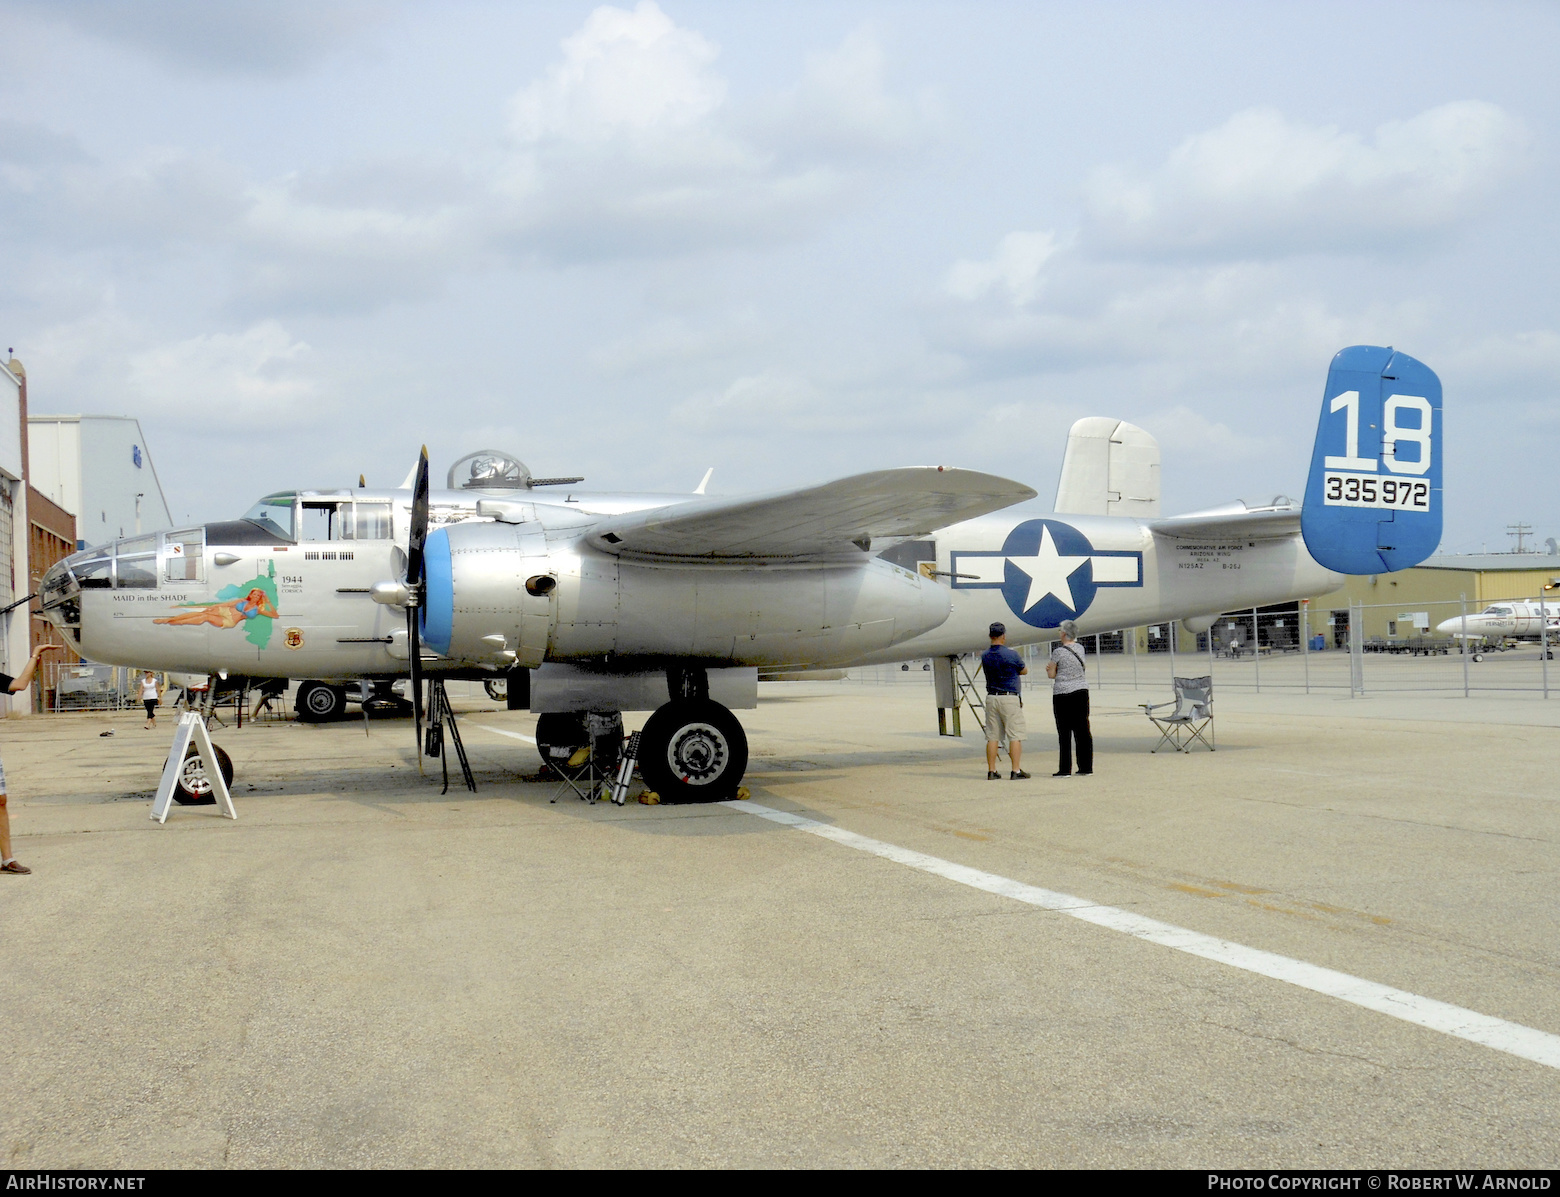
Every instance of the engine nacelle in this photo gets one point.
(495, 588)
(488, 597)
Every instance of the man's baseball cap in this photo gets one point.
(997, 629)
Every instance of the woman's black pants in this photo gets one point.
(1072, 723)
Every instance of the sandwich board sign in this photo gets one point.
(191, 730)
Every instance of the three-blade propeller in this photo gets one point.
(416, 585)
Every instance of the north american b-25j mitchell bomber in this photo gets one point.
(594, 603)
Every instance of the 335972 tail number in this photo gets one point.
(1374, 490)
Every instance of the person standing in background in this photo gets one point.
(149, 696)
(1070, 703)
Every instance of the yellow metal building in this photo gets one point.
(1438, 590)
(1404, 605)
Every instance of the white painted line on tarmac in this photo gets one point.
(1541, 1047)
(498, 731)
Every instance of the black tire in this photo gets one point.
(193, 789)
(1477, 657)
(693, 751)
(318, 702)
(497, 688)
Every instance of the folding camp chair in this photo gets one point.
(591, 773)
(1193, 715)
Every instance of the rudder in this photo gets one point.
(1373, 497)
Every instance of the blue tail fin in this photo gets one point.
(1373, 498)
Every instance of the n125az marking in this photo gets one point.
(1374, 490)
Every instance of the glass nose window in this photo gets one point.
(94, 573)
(137, 563)
(57, 586)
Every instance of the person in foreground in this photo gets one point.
(1070, 702)
(9, 863)
(1004, 703)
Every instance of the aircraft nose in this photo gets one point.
(53, 579)
(59, 595)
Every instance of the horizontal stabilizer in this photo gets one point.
(1236, 522)
(1373, 497)
(885, 505)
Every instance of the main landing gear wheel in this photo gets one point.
(497, 688)
(318, 702)
(194, 787)
(693, 750)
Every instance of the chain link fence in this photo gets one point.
(1355, 648)
(1358, 648)
(85, 686)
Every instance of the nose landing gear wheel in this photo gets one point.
(318, 702)
(194, 787)
(693, 751)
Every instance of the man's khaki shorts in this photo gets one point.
(1004, 718)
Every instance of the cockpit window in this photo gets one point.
(371, 521)
(344, 519)
(274, 513)
(322, 521)
(1498, 611)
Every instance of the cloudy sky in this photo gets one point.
(789, 241)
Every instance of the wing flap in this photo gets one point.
(884, 505)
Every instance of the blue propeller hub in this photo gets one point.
(436, 616)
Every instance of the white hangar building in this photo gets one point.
(99, 469)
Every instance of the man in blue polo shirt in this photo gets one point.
(1004, 705)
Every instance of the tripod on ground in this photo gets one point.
(440, 718)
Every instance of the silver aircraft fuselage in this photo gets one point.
(288, 595)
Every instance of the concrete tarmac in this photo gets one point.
(362, 972)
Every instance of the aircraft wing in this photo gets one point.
(883, 506)
(1271, 523)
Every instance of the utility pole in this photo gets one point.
(1520, 531)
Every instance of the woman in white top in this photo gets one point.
(149, 696)
(1070, 702)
